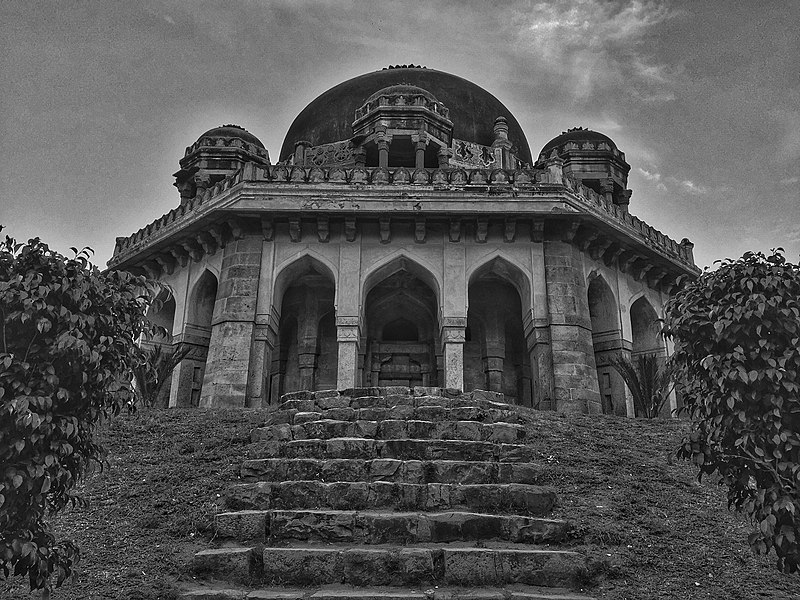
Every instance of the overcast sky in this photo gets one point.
(99, 99)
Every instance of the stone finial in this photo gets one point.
(500, 129)
(687, 247)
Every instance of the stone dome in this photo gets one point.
(227, 132)
(401, 90)
(578, 135)
(473, 110)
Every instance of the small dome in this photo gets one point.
(232, 131)
(577, 135)
(401, 90)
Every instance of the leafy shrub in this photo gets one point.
(648, 379)
(737, 349)
(154, 370)
(68, 336)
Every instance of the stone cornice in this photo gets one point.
(282, 190)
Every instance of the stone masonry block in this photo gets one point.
(242, 525)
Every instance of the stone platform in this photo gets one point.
(389, 493)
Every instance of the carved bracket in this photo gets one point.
(420, 231)
(385, 230)
(455, 230)
(295, 233)
(537, 231)
(267, 229)
(350, 229)
(323, 229)
(510, 230)
(482, 230)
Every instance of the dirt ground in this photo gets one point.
(649, 528)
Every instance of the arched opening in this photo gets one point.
(161, 314)
(307, 354)
(607, 342)
(198, 332)
(645, 328)
(401, 329)
(496, 357)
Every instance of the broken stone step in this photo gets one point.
(420, 413)
(403, 449)
(392, 429)
(236, 564)
(372, 527)
(518, 498)
(390, 469)
(420, 565)
(311, 402)
(344, 592)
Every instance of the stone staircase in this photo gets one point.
(389, 494)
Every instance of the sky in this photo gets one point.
(99, 99)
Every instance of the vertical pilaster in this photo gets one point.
(574, 370)
(265, 333)
(348, 310)
(348, 333)
(537, 327)
(228, 362)
(453, 338)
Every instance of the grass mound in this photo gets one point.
(649, 528)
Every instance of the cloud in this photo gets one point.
(599, 44)
(790, 180)
(686, 185)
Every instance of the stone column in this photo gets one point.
(453, 338)
(574, 371)
(348, 333)
(228, 362)
(420, 141)
(537, 326)
(265, 334)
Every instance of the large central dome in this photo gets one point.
(473, 110)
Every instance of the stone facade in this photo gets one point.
(407, 255)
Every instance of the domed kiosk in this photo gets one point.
(406, 238)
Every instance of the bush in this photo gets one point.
(737, 350)
(648, 379)
(68, 347)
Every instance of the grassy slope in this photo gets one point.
(650, 529)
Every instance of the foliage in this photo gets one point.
(648, 379)
(154, 370)
(737, 349)
(67, 351)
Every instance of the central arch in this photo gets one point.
(401, 326)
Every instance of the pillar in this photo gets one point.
(228, 362)
(265, 335)
(383, 153)
(420, 141)
(574, 371)
(348, 333)
(453, 338)
(537, 326)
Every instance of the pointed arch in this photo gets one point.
(645, 327)
(603, 306)
(303, 263)
(499, 265)
(401, 261)
(202, 299)
(496, 357)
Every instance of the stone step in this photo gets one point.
(388, 398)
(414, 565)
(516, 498)
(390, 469)
(345, 592)
(292, 416)
(392, 429)
(403, 449)
(380, 527)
